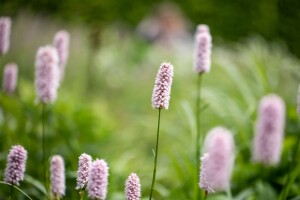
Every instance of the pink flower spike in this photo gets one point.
(84, 166)
(46, 74)
(10, 78)
(269, 130)
(133, 187)
(16, 163)
(57, 176)
(5, 26)
(162, 87)
(218, 161)
(98, 180)
(203, 46)
(61, 43)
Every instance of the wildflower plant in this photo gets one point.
(84, 166)
(61, 43)
(269, 130)
(10, 78)
(98, 180)
(46, 83)
(15, 167)
(217, 161)
(5, 26)
(57, 177)
(133, 187)
(160, 100)
(202, 61)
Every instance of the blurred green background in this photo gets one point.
(104, 103)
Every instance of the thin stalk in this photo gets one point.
(81, 193)
(198, 137)
(4, 183)
(205, 195)
(44, 148)
(229, 194)
(11, 192)
(155, 156)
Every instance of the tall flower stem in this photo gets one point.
(198, 136)
(155, 156)
(44, 146)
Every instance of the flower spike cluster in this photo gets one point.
(133, 187)
(10, 78)
(162, 87)
(203, 49)
(269, 130)
(57, 176)
(16, 163)
(217, 162)
(61, 43)
(5, 26)
(98, 180)
(46, 74)
(84, 165)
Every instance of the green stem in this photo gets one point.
(81, 193)
(44, 148)
(198, 137)
(4, 183)
(11, 192)
(155, 156)
(205, 195)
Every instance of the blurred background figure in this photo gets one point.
(165, 26)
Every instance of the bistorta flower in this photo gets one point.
(217, 162)
(269, 130)
(84, 166)
(61, 43)
(162, 86)
(16, 163)
(133, 187)
(46, 74)
(57, 176)
(5, 26)
(203, 46)
(98, 180)
(10, 77)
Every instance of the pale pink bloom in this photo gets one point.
(57, 176)
(5, 25)
(133, 187)
(269, 130)
(61, 43)
(203, 46)
(10, 78)
(46, 74)
(218, 161)
(162, 87)
(16, 163)
(205, 174)
(84, 166)
(98, 180)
